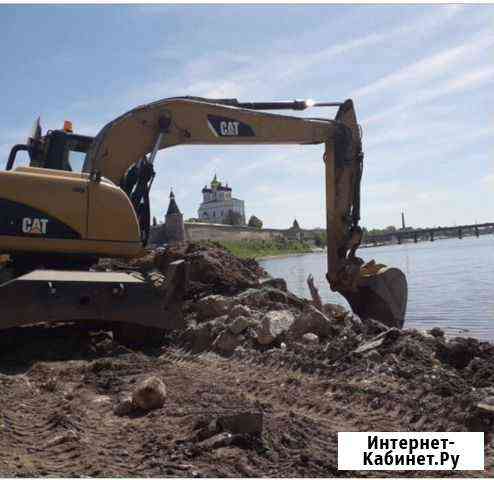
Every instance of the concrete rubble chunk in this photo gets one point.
(199, 337)
(68, 436)
(458, 352)
(310, 338)
(374, 327)
(313, 321)
(436, 332)
(212, 306)
(226, 342)
(240, 324)
(354, 322)
(124, 406)
(149, 394)
(267, 296)
(274, 324)
(278, 283)
(334, 310)
(486, 405)
(385, 338)
(217, 441)
(239, 310)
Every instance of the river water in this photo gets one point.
(450, 282)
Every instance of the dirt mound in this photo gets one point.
(213, 269)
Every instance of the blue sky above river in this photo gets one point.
(422, 78)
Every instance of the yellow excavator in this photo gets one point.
(56, 222)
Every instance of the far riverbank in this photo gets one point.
(265, 249)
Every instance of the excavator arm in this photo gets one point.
(372, 290)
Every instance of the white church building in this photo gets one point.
(217, 201)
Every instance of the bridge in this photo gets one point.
(431, 234)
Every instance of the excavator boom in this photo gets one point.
(371, 291)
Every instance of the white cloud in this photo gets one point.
(224, 74)
(463, 82)
(428, 68)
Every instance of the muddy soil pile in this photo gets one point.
(258, 384)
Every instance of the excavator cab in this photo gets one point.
(57, 149)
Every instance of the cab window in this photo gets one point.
(77, 147)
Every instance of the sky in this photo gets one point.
(421, 77)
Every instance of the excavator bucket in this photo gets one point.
(381, 294)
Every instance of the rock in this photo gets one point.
(226, 342)
(217, 441)
(199, 338)
(239, 310)
(274, 324)
(436, 332)
(475, 364)
(373, 327)
(100, 399)
(373, 356)
(310, 338)
(158, 282)
(313, 321)
(149, 394)
(212, 306)
(69, 435)
(458, 352)
(487, 405)
(354, 322)
(334, 310)
(385, 338)
(240, 324)
(245, 422)
(124, 406)
(278, 283)
(267, 296)
(206, 430)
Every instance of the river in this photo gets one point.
(450, 282)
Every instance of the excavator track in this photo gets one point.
(124, 300)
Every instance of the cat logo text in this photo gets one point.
(34, 226)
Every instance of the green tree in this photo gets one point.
(255, 222)
(320, 239)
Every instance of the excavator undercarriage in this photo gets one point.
(56, 222)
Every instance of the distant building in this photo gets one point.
(294, 232)
(217, 202)
(174, 222)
